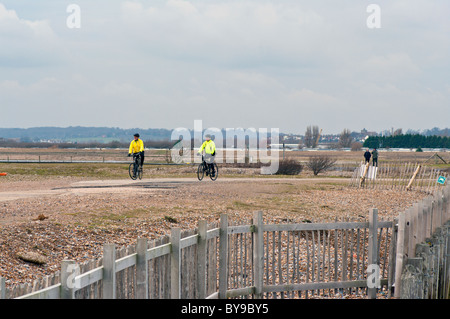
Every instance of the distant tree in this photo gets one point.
(356, 146)
(311, 136)
(315, 136)
(345, 139)
(320, 163)
(308, 139)
(407, 141)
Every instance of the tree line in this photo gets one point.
(36, 134)
(9, 143)
(407, 141)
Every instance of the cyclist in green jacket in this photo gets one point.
(210, 151)
(137, 146)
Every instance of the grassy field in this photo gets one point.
(162, 155)
(112, 163)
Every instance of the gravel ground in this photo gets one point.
(65, 217)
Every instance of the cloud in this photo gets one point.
(285, 64)
(228, 34)
(25, 43)
(389, 68)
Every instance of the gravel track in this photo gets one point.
(68, 217)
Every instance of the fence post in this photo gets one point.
(109, 271)
(442, 208)
(141, 269)
(446, 194)
(373, 248)
(392, 257)
(420, 237)
(399, 254)
(175, 264)
(2, 288)
(446, 262)
(412, 278)
(67, 279)
(201, 259)
(223, 256)
(414, 230)
(258, 253)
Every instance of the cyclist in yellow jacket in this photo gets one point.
(210, 151)
(137, 146)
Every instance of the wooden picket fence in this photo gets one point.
(253, 260)
(407, 176)
(418, 226)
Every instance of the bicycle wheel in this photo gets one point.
(140, 172)
(131, 171)
(216, 173)
(200, 172)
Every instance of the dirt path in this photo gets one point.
(41, 189)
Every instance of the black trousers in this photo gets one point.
(142, 158)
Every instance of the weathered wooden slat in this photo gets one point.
(319, 285)
(188, 241)
(213, 233)
(232, 293)
(125, 262)
(258, 253)
(175, 264)
(314, 226)
(322, 226)
(159, 251)
(223, 256)
(241, 229)
(88, 278)
(109, 271)
(52, 292)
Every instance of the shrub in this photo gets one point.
(289, 167)
(320, 163)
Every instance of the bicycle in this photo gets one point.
(204, 168)
(135, 169)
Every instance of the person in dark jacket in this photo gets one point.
(375, 157)
(367, 156)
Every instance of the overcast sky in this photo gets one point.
(270, 64)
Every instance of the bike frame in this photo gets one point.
(136, 158)
(136, 169)
(206, 167)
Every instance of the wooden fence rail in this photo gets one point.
(253, 260)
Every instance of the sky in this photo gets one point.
(282, 64)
